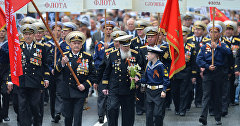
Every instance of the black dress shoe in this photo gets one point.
(57, 118)
(101, 119)
(218, 123)
(211, 114)
(203, 120)
(182, 113)
(177, 113)
(139, 113)
(6, 119)
(198, 106)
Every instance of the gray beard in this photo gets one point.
(125, 55)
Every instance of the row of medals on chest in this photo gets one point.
(36, 59)
(116, 64)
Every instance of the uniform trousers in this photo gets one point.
(126, 102)
(155, 108)
(212, 91)
(140, 108)
(52, 96)
(29, 100)
(41, 105)
(181, 93)
(198, 90)
(101, 102)
(72, 111)
(4, 103)
(225, 94)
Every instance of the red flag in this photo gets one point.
(13, 44)
(171, 24)
(219, 15)
(2, 19)
(17, 4)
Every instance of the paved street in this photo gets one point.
(90, 117)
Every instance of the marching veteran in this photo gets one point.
(117, 82)
(74, 95)
(212, 87)
(35, 74)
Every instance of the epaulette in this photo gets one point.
(143, 47)
(133, 38)
(191, 45)
(110, 49)
(134, 51)
(190, 37)
(66, 52)
(48, 45)
(37, 43)
(87, 53)
(22, 39)
(226, 40)
(114, 50)
(207, 39)
(238, 39)
(42, 38)
(21, 42)
(48, 37)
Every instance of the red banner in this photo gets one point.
(219, 15)
(171, 24)
(2, 19)
(13, 44)
(18, 4)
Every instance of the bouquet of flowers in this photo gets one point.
(133, 70)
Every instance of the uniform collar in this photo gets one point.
(39, 41)
(4, 42)
(155, 65)
(51, 42)
(75, 54)
(229, 38)
(60, 41)
(30, 44)
(197, 38)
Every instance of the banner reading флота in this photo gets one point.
(57, 6)
(220, 4)
(107, 4)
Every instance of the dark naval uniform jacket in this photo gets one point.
(136, 43)
(83, 68)
(116, 77)
(204, 57)
(34, 64)
(100, 52)
(191, 67)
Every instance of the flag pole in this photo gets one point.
(105, 22)
(213, 35)
(157, 41)
(54, 39)
(47, 17)
(55, 49)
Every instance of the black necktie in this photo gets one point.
(131, 33)
(143, 41)
(29, 48)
